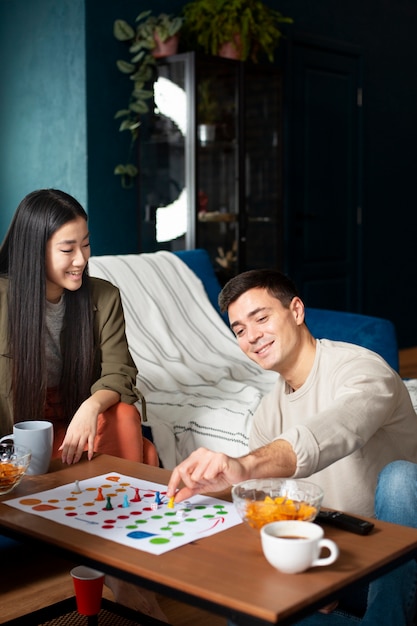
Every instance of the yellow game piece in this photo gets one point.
(171, 503)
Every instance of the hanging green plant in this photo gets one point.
(250, 26)
(144, 40)
(208, 106)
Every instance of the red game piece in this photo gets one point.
(136, 498)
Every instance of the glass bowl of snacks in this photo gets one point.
(263, 500)
(14, 461)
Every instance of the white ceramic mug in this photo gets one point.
(293, 546)
(38, 436)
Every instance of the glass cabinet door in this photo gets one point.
(210, 162)
(262, 237)
(217, 159)
(167, 162)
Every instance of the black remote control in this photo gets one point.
(346, 522)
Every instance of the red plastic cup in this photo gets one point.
(88, 586)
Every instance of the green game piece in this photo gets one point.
(108, 506)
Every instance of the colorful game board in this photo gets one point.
(130, 511)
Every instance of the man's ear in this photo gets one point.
(298, 310)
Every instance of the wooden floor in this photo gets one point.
(46, 582)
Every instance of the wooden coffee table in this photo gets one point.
(225, 573)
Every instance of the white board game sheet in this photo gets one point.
(130, 511)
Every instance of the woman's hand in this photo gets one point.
(82, 429)
(80, 434)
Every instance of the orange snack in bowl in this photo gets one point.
(259, 513)
(9, 474)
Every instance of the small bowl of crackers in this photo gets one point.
(14, 461)
(263, 500)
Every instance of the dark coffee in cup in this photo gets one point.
(291, 537)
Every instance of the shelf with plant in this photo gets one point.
(252, 27)
(143, 40)
(208, 107)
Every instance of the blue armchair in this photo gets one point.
(374, 333)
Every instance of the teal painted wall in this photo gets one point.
(58, 70)
(42, 104)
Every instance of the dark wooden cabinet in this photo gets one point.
(210, 162)
(324, 179)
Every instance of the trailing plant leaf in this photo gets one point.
(125, 67)
(168, 27)
(139, 107)
(121, 113)
(123, 31)
(143, 16)
(145, 72)
(128, 173)
(141, 95)
(129, 124)
(131, 170)
(141, 70)
(140, 55)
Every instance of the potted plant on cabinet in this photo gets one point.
(148, 40)
(208, 112)
(249, 27)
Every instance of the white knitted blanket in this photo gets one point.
(200, 389)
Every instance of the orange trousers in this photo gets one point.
(119, 433)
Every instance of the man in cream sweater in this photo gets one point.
(337, 415)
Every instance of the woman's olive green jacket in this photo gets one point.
(114, 366)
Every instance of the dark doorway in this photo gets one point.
(324, 173)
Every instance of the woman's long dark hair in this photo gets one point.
(23, 260)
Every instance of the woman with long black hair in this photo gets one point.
(63, 350)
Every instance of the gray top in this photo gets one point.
(54, 320)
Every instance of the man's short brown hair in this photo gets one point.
(277, 285)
